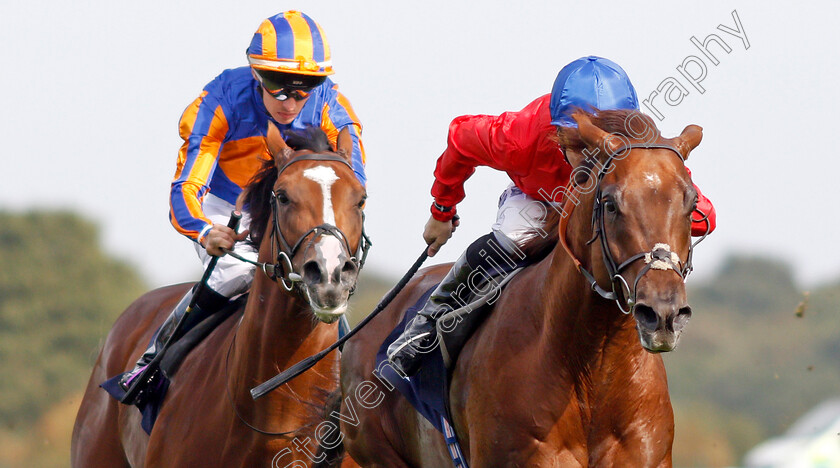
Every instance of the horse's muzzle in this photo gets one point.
(329, 277)
(660, 323)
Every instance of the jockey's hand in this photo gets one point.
(220, 239)
(437, 233)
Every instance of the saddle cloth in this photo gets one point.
(151, 406)
(428, 390)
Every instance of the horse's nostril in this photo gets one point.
(349, 272)
(646, 317)
(311, 272)
(682, 318)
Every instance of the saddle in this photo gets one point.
(155, 392)
(456, 327)
(428, 390)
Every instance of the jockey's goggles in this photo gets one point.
(282, 86)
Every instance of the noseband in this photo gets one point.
(283, 269)
(660, 257)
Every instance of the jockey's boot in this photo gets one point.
(420, 333)
(207, 303)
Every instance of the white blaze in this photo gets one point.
(330, 249)
(325, 177)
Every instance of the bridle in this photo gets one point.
(283, 269)
(660, 257)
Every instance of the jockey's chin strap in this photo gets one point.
(660, 257)
(283, 269)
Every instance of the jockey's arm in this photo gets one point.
(196, 162)
(704, 205)
(344, 130)
(476, 140)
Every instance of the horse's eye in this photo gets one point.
(693, 205)
(282, 197)
(609, 206)
(361, 203)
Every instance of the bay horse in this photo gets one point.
(208, 418)
(557, 375)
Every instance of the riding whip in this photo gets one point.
(302, 366)
(153, 367)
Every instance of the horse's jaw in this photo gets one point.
(659, 341)
(329, 315)
(327, 311)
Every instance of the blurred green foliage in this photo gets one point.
(59, 295)
(757, 354)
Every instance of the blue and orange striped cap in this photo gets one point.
(590, 82)
(291, 42)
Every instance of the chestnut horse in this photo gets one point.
(557, 375)
(316, 206)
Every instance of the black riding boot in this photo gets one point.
(208, 303)
(484, 256)
(420, 333)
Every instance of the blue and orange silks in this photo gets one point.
(224, 133)
(291, 41)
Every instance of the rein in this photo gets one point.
(283, 269)
(233, 403)
(660, 257)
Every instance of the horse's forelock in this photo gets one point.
(310, 138)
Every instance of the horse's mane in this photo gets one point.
(258, 191)
(568, 138)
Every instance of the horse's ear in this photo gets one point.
(277, 146)
(593, 136)
(344, 145)
(688, 139)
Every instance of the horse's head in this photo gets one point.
(642, 201)
(306, 208)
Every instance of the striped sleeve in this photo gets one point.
(203, 128)
(338, 114)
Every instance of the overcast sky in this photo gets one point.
(92, 93)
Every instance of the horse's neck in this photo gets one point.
(580, 328)
(276, 331)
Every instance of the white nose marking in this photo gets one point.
(325, 177)
(329, 249)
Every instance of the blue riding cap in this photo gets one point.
(590, 82)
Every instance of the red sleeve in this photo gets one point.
(503, 142)
(698, 228)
